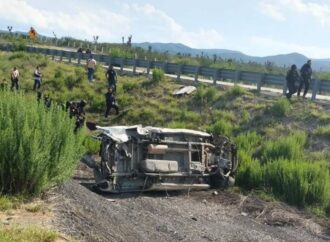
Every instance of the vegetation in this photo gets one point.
(35, 234)
(38, 147)
(281, 153)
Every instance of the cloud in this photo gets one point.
(154, 22)
(272, 10)
(276, 47)
(83, 24)
(281, 8)
(144, 22)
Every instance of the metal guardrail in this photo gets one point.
(254, 78)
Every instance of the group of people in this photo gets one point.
(111, 77)
(303, 79)
(15, 75)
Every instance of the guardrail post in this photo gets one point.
(196, 73)
(70, 57)
(61, 56)
(315, 88)
(237, 76)
(134, 66)
(285, 86)
(148, 67)
(215, 76)
(110, 61)
(260, 82)
(179, 71)
(164, 66)
(122, 64)
(79, 58)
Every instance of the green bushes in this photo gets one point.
(158, 76)
(279, 168)
(288, 147)
(236, 91)
(250, 173)
(297, 182)
(222, 127)
(280, 108)
(323, 131)
(92, 146)
(38, 147)
(129, 85)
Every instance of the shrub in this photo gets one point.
(250, 173)
(236, 91)
(129, 85)
(92, 146)
(158, 76)
(299, 183)
(38, 147)
(222, 127)
(248, 142)
(289, 147)
(323, 131)
(280, 108)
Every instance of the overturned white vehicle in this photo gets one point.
(136, 158)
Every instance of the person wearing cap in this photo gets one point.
(292, 77)
(305, 77)
(91, 66)
(110, 102)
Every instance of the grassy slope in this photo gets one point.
(231, 112)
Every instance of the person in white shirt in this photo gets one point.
(91, 65)
(14, 78)
(37, 78)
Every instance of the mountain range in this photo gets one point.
(279, 60)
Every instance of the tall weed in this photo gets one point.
(38, 147)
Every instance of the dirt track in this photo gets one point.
(197, 216)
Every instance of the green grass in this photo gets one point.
(30, 234)
(9, 202)
(323, 131)
(38, 147)
(265, 130)
(280, 108)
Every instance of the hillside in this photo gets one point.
(273, 136)
(279, 60)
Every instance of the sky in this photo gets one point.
(254, 27)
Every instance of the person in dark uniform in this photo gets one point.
(112, 78)
(305, 77)
(292, 77)
(110, 102)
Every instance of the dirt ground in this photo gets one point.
(194, 216)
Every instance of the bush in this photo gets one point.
(248, 142)
(280, 108)
(323, 131)
(250, 173)
(299, 183)
(236, 91)
(158, 76)
(222, 127)
(38, 147)
(129, 85)
(289, 147)
(92, 146)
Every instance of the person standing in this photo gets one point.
(37, 78)
(14, 78)
(91, 65)
(112, 78)
(305, 77)
(292, 77)
(110, 102)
